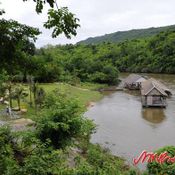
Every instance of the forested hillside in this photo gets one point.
(100, 63)
(97, 63)
(126, 35)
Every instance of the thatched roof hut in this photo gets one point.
(152, 84)
(133, 81)
(154, 93)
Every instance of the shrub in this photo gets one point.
(62, 121)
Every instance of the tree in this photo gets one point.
(30, 80)
(39, 97)
(19, 38)
(3, 79)
(9, 86)
(35, 88)
(18, 94)
(6, 85)
(14, 42)
(59, 19)
(62, 21)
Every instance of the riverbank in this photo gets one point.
(85, 93)
(95, 156)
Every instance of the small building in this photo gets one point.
(133, 81)
(154, 93)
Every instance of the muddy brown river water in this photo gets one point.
(127, 129)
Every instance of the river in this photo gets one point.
(127, 129)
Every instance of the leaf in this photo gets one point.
(62, 21)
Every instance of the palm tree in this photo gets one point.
(18, 94)
(9, 86)
(30, 80)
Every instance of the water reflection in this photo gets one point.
(135, 93)
(153, 115)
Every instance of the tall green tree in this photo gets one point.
(19, 93)
(15, 40)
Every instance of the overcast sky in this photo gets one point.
(97, 17)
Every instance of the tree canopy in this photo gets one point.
(16, 42)
(100, 63)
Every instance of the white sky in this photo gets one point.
(97, 17)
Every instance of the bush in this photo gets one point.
(22, 153)
(62, 121)
(8, 161)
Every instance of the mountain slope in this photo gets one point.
(124, 35)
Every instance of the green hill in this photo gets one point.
(126, 35)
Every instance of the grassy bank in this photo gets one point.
(84, 93)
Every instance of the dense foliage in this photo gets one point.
(100, 63)
(121, 36)
(74, 63)
(70, 63)
(152, 55)
(62, 121)
(16, 46)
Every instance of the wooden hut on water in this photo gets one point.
(133, 81)
(154, 93)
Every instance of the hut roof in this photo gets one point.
(133, 78)
(149, 85)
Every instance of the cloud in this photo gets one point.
(97, 17)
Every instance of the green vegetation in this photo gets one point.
(19, 38)
(61, 120)
(84, 93)
(59, 144)
(99, 63)
(121, 36)
(64, 64)
(74, 64)
(166, 167)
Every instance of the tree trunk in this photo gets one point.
(10, 97)
(25, 76)
(19, 104)
(30, 96)
(10, 102)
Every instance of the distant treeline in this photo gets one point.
(100, 63)
(93, 63)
